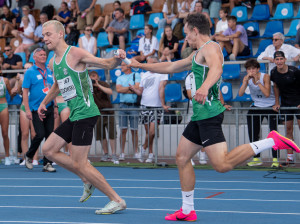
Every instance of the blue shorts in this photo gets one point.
(131, 115)
(214, 9)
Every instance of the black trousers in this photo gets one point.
(42, 129)
(254, 120)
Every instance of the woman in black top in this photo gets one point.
(7, 22)
(168, 46)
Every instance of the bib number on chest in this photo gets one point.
(67, 88)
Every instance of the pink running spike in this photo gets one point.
(282, 142)
(179, 216)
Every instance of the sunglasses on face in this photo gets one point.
(88, 30)
(274, 39)
(7, 50)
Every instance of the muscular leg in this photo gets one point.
(78, 164)
(110, 37)
(4, 121)
(25, 124)
(123, 139)
(238, 46)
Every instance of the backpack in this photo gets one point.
(49, 10)
(140, 7)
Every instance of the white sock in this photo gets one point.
(262, 145)
(187, 201)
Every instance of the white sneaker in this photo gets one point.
(54, 164)
(143, 151)
(202, 157)
(88, 190)
(22, 163)
(111, 208)
(139, 157)
(122, 157)
(114, 159)
(49, 168)
(150, 158)
(35, 163)
(7, 161)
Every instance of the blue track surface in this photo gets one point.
(37, 197)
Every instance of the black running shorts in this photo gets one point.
(79, 132)
(205, 132)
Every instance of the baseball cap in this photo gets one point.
(279, 54)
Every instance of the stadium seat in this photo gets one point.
(102, 40)
(140, 33)
(231, 71)
(284, 11)
(178, 76)
(263, 68)
(240, 12)
(262, 46)
(23, 56)
(114, 74)
(101, 73)
(226, 90)
(173, 92)
(159, 34)
(117, 100)
(245, 98)
(137, 22)
(260, 12)
(31, 58)
(298, 15)
(252, 26)
(293, 28)
(50, 55)
(154, 18)
(248, 56)
(273, 27)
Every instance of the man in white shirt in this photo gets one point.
(152, 90)
(290, 51)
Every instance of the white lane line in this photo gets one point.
(154, 197)
(45, 222)
(149, 209)
(156, 188)
(144, 180)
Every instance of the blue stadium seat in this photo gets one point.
(173, 92)
(154, 18)
(159, 34)
(137, 22)
(101, 73)
(31, 58)
(245, 98)
(293, 28)
(102, 40)
(248, 56)
(262, 46)
(273, 27)
(284, 11)
(139, 34)
(298, 15)
(178, 76)
(231, 71)
(117, 100)
(252, 26)
(50, 55)
(114, 74)
(23, 56)
(290, 41)
(226, 90)
(240, 12)
(262, 67)
(260, 12)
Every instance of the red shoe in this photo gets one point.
(282, 142)
(179, 216)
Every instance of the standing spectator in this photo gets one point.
(289, 51)
(199, 10)
(263, 97)
(106, 121)
(27, 38)
(148, 45)
(88, 42)
(168, 46)
(7, 22)
(152, 90)
(38, 81)
(234, 39)
(64, 15)
(222, 24)
(171, 13)
(12, 62)
(87, 10)
(118, 29)
(4, 115)
(128, 99)
(38, 36)
(286, 79)
(107, 19)
(25, 124)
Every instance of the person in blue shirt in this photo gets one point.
(64, 15)
(128, 99)
(37, 82)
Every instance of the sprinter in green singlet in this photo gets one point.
(73, 82)
(205, 127)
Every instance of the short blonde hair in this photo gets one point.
(58, 25)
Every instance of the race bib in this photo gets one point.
(193, 84)
(67, 88)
